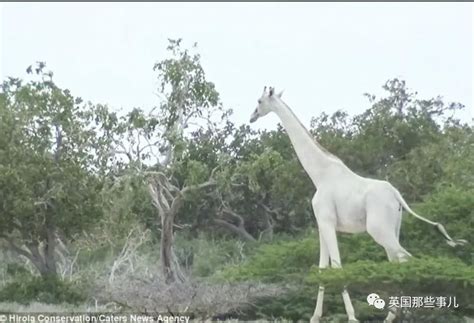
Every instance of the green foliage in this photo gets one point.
(50, 161)
(391, 138)
(418, 275)
(188, 96)
(454, 208)
(446, 160)
(294, 263)
(206, 255)
(359, 247)
(286, 260)
(16, 271)
(50, 290)
(281, 261)
(184, 73)
(128, 206)
(425, 276)
(296, 305)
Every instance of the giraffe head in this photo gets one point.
(265, 103)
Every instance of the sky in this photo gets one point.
(324, 55)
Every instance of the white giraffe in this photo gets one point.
(344, 201)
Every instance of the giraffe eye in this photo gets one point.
(259, 101)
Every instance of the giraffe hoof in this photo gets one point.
(314, 319)
(353, 321)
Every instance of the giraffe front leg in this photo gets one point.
(323, 263)
(329, 234)
(318, 311)
(392, 314)
(349, 308)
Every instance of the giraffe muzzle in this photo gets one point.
(254, 117)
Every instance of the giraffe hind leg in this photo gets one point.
(383, 225)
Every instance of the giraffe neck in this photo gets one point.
(315, 160)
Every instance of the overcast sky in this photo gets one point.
(325, 55)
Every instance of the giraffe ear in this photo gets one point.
(271, 91)
(280, 94)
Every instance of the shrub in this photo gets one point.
(424, 276)
(294, 263)
(277, 262)
(206, 255)
(49, 290)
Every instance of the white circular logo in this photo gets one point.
(375, 300)
(371, 298)
(379, 303)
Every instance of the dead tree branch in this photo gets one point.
(238, 229)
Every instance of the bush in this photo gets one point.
(418, 277)
(205, 255)
(288, 260)
(277, 262)
(294, 263)
(425, 276)
(49, 290)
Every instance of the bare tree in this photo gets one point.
(168, 199)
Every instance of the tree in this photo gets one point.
(49, 165)
(188, 98)
(152, 147)
(253, 198)
(384, 139)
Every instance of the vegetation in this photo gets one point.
(213, 215)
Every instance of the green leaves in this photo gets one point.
(196, 172)
(48, 152)
(454, 208)
(418, 276)
(186, 91)
(30, 289)
(282, 261)
(293, 264)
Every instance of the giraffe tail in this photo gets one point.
(450, 241)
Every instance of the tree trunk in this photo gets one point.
(50, 248)
(170, 268)
(166, 248)
(268, 232)
(37, 260)
(168, 199)
(45, 266)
